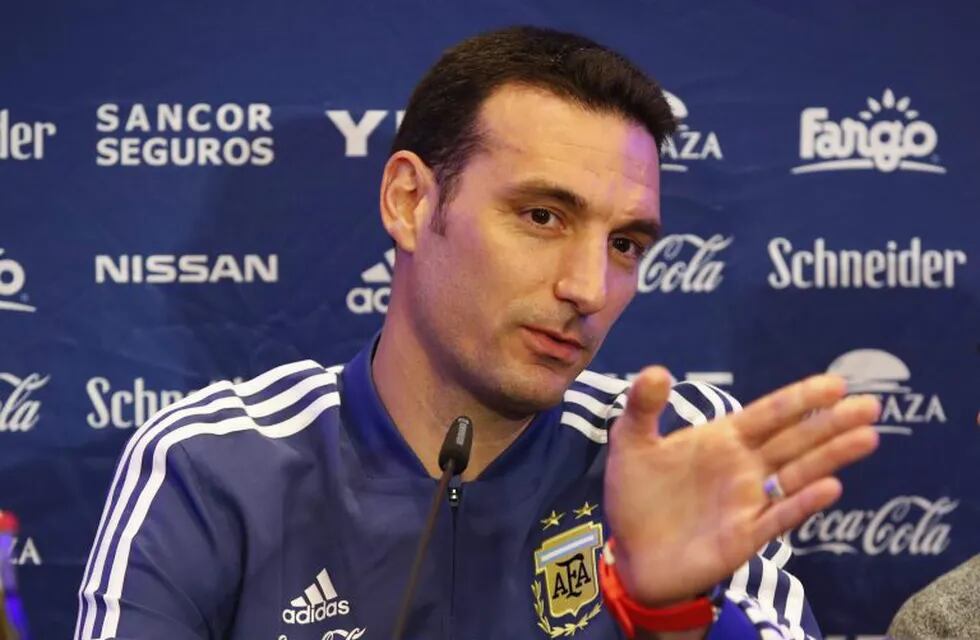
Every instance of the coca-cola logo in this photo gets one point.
(904, 525)
(668, 267)
(343, 634)
(18, 412)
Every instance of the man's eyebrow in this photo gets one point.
(545, 189)
(650, 228)
(575, 202)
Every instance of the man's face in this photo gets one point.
(540, 251)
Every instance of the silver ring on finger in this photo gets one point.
(772, 488)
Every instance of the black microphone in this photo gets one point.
(453, 458)
(455, 452)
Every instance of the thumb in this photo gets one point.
(645, 402)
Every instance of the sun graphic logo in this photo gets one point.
(687, 144)
(373, 298)
(888, 136)
(885, 376)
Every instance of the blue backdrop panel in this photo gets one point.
(188, 192)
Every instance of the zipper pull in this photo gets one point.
(455, 492)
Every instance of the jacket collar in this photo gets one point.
(384, 452)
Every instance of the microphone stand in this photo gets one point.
(413, 576)
(454, 456)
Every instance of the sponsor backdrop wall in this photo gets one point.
(189, 192)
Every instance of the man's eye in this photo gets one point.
(542, 217)
(628, 247)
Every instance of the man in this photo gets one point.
(521, 193)
(944, 608)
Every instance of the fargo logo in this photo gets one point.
(23, 140)
(687, 144)
(18, 411)
(683, 262)
(12, 278)
(884, 375)
(189, 269)
(888, 136)
(909, 525)
(374, 297)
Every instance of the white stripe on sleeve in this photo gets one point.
(132, 457)
(709, 392)
(583, 426)
(120, 563)
(685, 409)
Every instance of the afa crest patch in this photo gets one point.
(566, 579)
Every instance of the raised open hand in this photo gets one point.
(688, 509)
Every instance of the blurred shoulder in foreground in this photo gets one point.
(949, 607)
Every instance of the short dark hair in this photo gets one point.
(440, 122)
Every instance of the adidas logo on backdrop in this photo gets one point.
(318, 602)
(373, 299)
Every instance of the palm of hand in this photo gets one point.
(688, 509)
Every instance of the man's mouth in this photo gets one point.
(560, 346)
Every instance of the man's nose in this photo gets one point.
(582, 280)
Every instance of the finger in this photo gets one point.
(645, 402)
(790, 512)
(771, 413)
(819, 427)
(839, 451)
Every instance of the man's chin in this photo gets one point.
(537, 390)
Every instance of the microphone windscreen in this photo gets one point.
(456, 446)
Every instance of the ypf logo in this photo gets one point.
(888, 136)
(687, 144)
(373, 298)
(18, 412)
(358, 132)
(882, 374)
(12, 278)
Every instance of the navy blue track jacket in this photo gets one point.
(288, 507)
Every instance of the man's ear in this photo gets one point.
(409, 197)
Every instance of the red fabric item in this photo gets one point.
(631, 615)
(8, 522)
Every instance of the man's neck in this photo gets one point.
(422, 404)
